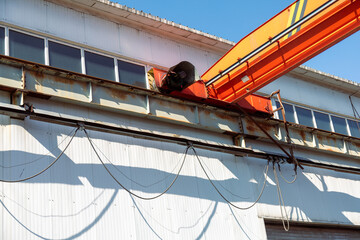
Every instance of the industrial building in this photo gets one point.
(110, 157)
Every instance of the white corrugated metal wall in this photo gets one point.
(77, 199)
(74, 26)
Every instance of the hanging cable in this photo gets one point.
(281, 202)
(134, 194)
(287, 181)
(137, 183)
(44, 155)
(355, 112)
(218, 191)
(25, 179)
(294, 160)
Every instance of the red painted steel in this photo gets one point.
(331, 26)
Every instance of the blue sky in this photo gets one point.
(233, 19)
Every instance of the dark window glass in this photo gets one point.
(131, 74)
(2, 37)
(322, 121)
(354, 128)
(339, 125)
(64, 57)
(99, 66)
(289, 112)
(26, 47)
(304, 116)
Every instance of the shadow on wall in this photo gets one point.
(241, 189)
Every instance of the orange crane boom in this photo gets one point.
(293, 36)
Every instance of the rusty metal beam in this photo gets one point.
(68, 120)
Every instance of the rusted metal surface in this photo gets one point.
(40, 81)
(10, 76)
(60, 87)
(304, 137)
(48, 82)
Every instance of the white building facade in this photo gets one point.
(82, 64)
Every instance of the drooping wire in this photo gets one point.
(37, 174)
(218, 191)
(44, 155)
(281, 202)
(134, 194)
(287, 181)
(137, 183)
(227, 190)
(356, 113)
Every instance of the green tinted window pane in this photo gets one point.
(304, 116)
(64, 57)
(354, 128)
(289, 112)
(2, 42)
(132, 74)
(99, 66)
(26, 47)
(339, 125)
(322, 121)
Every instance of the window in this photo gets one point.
(132, 74)
(289, 112)
(322, 121)
(65, 57)
(99, 66)
(354, 128)
(2, 42)
(304, 116)
(339, 125)
(26, 47)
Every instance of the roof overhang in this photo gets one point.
(129, 16)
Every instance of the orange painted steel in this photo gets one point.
(332, 24)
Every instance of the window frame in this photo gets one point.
(277, 116)
(100, 54)
(30, 34)
(68, 45)
(135, 63)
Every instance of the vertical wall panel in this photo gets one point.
(65, 23)
(101, 34)
(164, 52)
(134, 43)
(30, 13)
(2, 10)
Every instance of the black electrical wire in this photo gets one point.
(137, 183)
(218, 191)
(44, 155)
(37, 174)
(287, 181)
(356, 113)
(134, 194)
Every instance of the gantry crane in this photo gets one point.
(293, 36)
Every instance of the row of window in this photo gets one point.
(320, 120)
(32, 48)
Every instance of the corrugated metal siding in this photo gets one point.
(77, 198)
(316, 96)
(65, 23)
